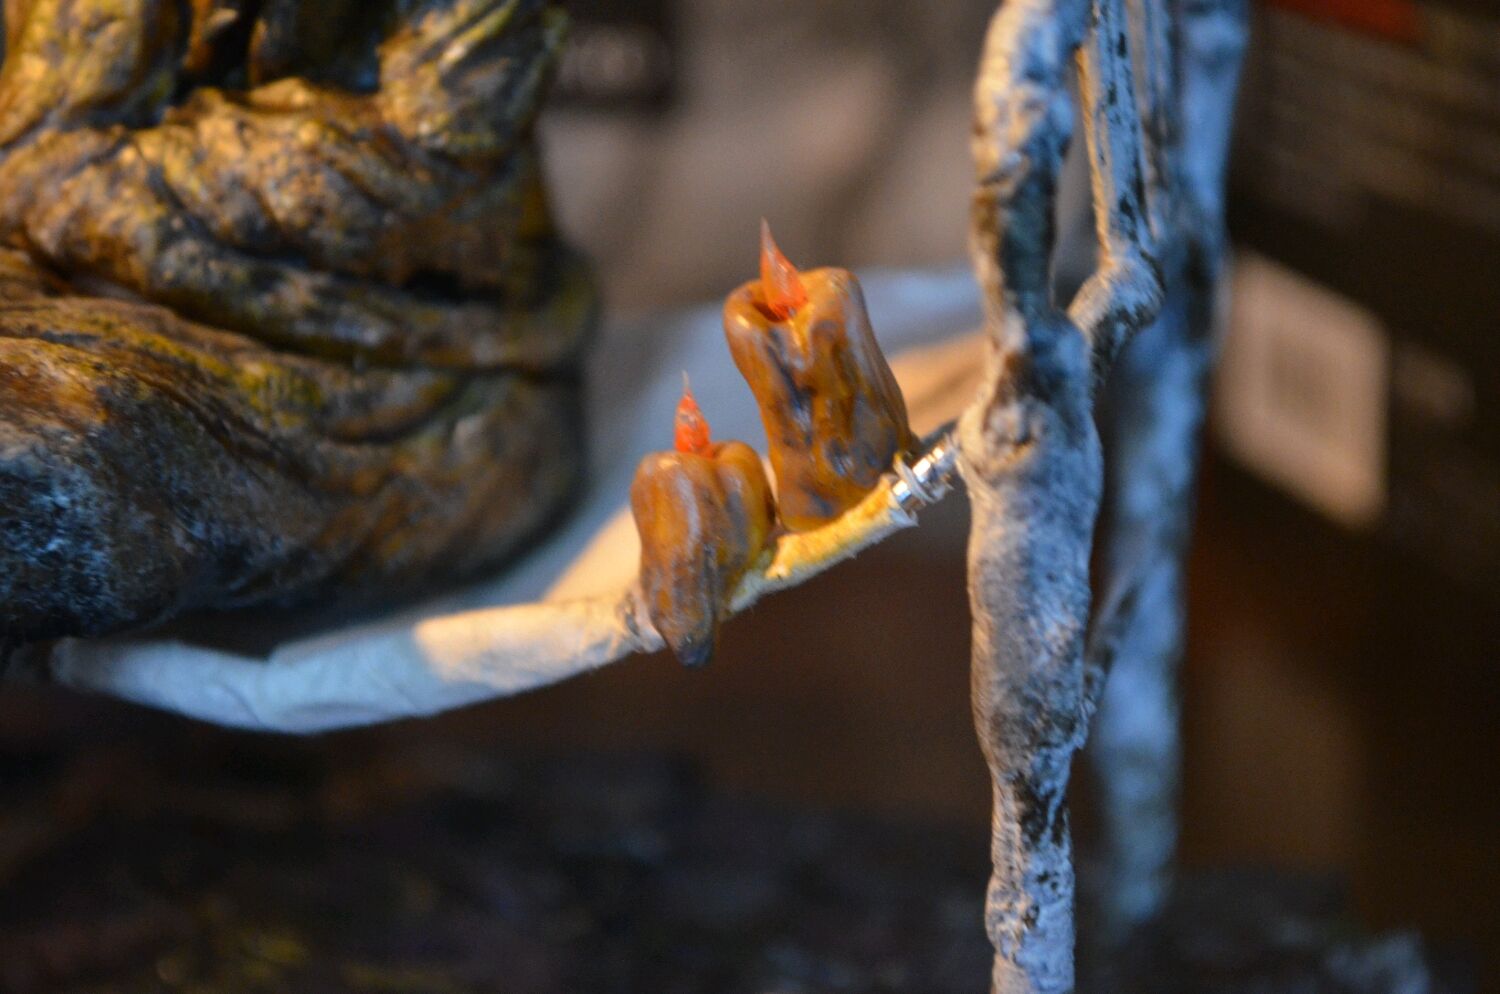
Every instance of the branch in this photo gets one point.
(1154, 412)
(1159, 400)
(1154, 415)
(1030, 452)
(1125, 292)
(1153, 32)
(1030, 459)
(388, 672)
(1023, 123)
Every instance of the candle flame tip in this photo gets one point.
(690, 431)
(781, 284)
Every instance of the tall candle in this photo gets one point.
(833, 414)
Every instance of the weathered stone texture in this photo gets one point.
(282, 314)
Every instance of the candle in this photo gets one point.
(705, 514)
(834, 416)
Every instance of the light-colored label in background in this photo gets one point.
(1303, 390)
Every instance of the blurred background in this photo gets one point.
(1343, 666)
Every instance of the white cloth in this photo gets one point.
(554, 612)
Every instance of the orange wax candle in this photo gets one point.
(834, 416)
(705, 513)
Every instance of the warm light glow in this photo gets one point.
(780, 284)
(690, 432)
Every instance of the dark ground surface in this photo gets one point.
(256, 865)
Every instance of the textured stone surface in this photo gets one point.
(281, 310)
(262, 865)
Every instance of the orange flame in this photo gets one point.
(690, 430)
(780, 284)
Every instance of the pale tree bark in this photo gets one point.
(1151, 421)
(1029, 449)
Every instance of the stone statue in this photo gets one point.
(282, 313)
